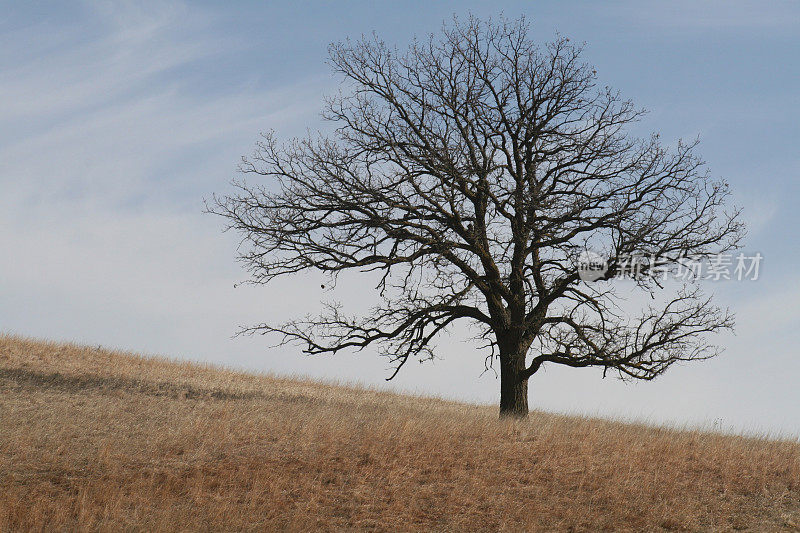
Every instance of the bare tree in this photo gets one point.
(470, 171)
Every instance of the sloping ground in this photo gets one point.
(99, 440)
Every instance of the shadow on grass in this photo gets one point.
(11, 378)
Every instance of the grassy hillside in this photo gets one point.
(99, 440)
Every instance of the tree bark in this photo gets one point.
(513, 387)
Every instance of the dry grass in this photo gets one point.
(99, 440)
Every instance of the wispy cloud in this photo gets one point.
(106, 153)
(72, 73)
(99, 121)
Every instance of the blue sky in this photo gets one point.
(117, 119)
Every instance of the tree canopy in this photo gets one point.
(471, 170)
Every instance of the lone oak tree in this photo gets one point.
(471, 171)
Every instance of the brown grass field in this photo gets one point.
(104, 441)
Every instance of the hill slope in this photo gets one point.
(92, 439)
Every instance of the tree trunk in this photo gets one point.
(513, 387)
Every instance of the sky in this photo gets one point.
(117, 119)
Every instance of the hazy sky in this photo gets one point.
(117, 119)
